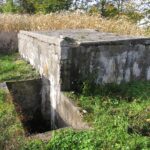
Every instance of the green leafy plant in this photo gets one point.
(34, 144)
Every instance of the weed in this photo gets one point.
(119, 115)
(12, 67)
(33, 145)
(68, 20)
(10, 127)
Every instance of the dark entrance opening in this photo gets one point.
(26, 96)
(31, 99)
(36, 124)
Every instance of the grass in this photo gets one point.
(12, 67)
(65, 20)
(10, 127)
(119, 115)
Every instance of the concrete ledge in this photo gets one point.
(39, 36)
(70, 113)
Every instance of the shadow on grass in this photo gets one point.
(125, 91)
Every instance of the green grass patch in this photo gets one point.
(119, 115)
(12, 67)
(11, 130)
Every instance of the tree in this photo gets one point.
(102, 4)
(10, 7)
(107, 7)
(132, 11)
(56, 5)
(145, 6)
(119, 4)
(27, 6)
(45, 6)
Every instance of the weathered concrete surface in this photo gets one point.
(67, 58)
(70, 113)
(3, 86)
(26, 95)
(44, 55)
(35, 113)
(45, 99)
(8, 42)
(118, 61)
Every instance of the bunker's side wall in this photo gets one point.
(8, 42)
(44, 55)
(107, 62)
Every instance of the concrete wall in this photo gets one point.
(67, 58)
(26, 95)
(44, 54)
(70, 113)
(8, 42)
(118, 61)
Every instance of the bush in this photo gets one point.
(73, 140)
(33, 145)
(9, 7)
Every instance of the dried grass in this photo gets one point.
(53, 21)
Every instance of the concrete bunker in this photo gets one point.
(66, 58)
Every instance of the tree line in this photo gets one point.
(35, 6)
(107, 8)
